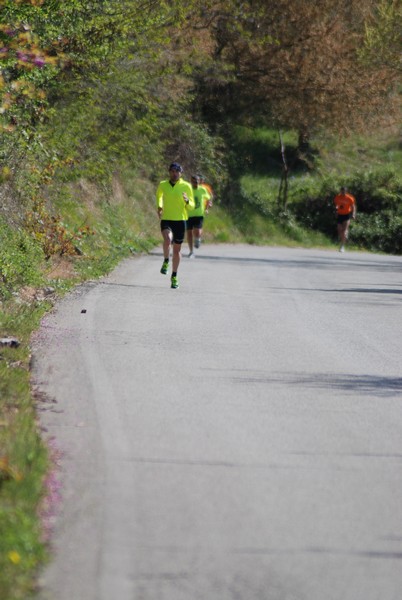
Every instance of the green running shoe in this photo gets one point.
(165, 267)
(174, 283)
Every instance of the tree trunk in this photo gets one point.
(283, 186)
(304, 141)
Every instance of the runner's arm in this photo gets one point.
(159, 201)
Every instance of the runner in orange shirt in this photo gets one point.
(208, 187)
(345, 205)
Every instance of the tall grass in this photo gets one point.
(23, 460)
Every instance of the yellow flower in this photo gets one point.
(14, 557)
(5, 173)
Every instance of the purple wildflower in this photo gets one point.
(22, 56)
(39, 61)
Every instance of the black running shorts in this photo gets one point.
(195, 223)
(178, 229)
(343, 218)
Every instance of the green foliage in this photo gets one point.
(23, 461)
(379, 232)
(378, 195)
(52, 234)
(250, 152)
(20, 260)
(369, 167)
(193, 145)
(219, 227)
(257, 150)
(383, 43)
(27, 65)
(21, 547)
(377, 189)
(379, 224)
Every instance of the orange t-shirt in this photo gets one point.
(344, 204)
(208, 188)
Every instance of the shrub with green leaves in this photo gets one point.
(378, 194)
(381, 231)
(20, 260)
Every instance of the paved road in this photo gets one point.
(239, 438)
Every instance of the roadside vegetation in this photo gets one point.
(96, 98)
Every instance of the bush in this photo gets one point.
(378, 194)
(20, 260)
(377, 190)
(381, 232)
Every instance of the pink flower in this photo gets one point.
(39, 61)
(22, 56)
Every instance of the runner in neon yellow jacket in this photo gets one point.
(170, 199)
(174, 197)
(202, 199)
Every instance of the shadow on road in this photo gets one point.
(318, 262)
(367, 385)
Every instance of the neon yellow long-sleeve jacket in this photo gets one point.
(170, 198)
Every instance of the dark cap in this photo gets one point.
(176, 167)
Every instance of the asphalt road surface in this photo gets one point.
(239, 438)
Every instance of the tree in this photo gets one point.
(383, 42)
(297, 64)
